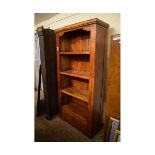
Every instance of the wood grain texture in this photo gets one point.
(74, 53)
(47, 41)
(99, 85)
(81, 49)
(79, 63)
(75, 41)
(79, 74)
(80, 94)
(82, 24)
(113, 84)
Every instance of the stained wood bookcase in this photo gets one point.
(81, 58)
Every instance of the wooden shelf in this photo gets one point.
(80, 94)
(79, 74)
(75, 109)
(74, 53)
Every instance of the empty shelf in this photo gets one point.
(79, 74)
(80, 94)
(74, 53)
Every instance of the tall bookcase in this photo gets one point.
(81, 58)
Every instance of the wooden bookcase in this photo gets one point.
(81, 58)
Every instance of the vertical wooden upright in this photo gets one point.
(81, 53)
(113, 84)
(47, 42)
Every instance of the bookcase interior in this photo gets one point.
(74, 49)
(74, 110)
(75, 41)
(79, 64)
(75, 87)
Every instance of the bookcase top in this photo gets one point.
(83, 23)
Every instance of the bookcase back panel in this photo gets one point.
(80, 103)
(75, 63)
(65, 99)
(79, 84)
(80, 63)
(75, 83)
(75, 41)
(76, 105)
(64, 63)
(64, 43)
(65, 81)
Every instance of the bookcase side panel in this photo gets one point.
(91, 79)
(99, 83)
